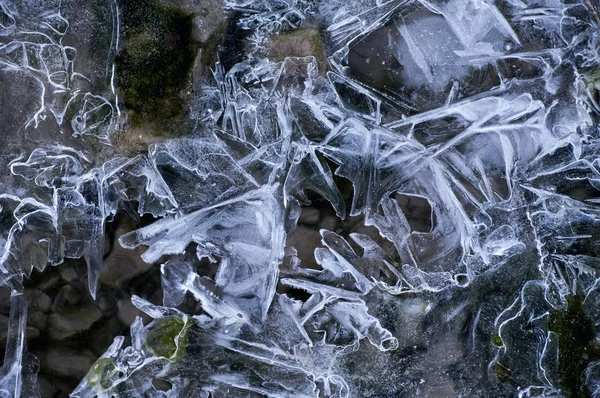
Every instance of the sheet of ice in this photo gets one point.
(484, 112)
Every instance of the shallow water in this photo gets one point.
(299, 198)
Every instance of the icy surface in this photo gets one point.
(484, 113)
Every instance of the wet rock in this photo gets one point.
(169, 46)
(37, 320)
(298, 43)
(38, 300)
(68, 273)
(199, 7)
(42, 302)
(70, 294)
(417, 211)
(101, 336)
(128, 312)
(154, 69)
(116, 328)
(122, 265)
(309, 216)
(106, 304)
(66, 362)
(209, 16)
(133, 140)
(32, 333)
(4, 300)
(69, 321)
(73, 270)
(211, 20)
(190, 305)
(161, 385)
(108, 242)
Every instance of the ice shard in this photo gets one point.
(300, 198)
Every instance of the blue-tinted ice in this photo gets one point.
(485, 112)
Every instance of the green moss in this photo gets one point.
(169, 338)
(593, 80)
(577, 346)
(101, 373)
(156, 62)
(502, 372)
(497, 340)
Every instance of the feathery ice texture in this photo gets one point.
(459, 138)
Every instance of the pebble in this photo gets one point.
(41, 301)
(68, 273)
(66, 362)
(70, 321)
(71, 295)
(309, 216)
(38, 320)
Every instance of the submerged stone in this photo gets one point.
(299, 43)
(154, 65)
(101, 373)
(577, 346)
(70, 321)
(169, 338)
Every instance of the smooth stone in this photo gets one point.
(128, 312)
(38, 320)
(70, 321)
(71, 295)
(208, 23)
(122, 265)
(66, 362)
(68, 273)
(40, 301)
(299, 43)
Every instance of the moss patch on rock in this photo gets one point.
(155, 64)
(169, 338)
(577, 346)
(502, 372)
(592, 80)
(101, 373)
(497, 341)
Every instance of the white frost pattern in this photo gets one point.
(484, 111)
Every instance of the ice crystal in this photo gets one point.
(484, 113)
